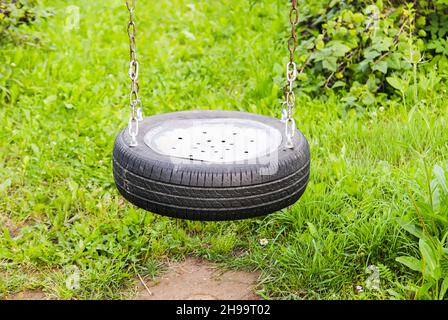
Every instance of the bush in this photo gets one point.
(15, 13)
(364, 49)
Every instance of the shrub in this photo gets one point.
(15, 13)
(360, 48)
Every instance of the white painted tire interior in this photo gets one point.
(217, 140)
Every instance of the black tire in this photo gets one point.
(192, 189)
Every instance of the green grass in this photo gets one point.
(63, 100)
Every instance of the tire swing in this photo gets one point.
(211, 165)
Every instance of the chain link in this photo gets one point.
(291, 74)
(134, 99)
(288, 105)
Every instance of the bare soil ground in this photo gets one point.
(192, 279)
(13, 228)
(195, 279)
(27, 295)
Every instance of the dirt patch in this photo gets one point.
(13, 228)
(27, 295)
(195, 279)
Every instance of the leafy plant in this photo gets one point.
(432, 232)
(15, 13)
(366, 49)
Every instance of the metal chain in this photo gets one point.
(291, 75)
(134, 99)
